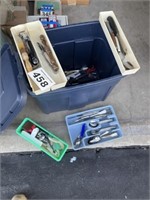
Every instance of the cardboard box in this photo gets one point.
(3, 13)
(75, 2)
(20, 3)
(13, 12)
(18, 16)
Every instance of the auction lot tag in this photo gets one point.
(41, 78)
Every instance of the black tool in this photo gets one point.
(29, 48)
(111, 33)
(119, 43)
(116, 33)
(83, 76)
(113, 25)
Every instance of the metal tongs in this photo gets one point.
(49, 141)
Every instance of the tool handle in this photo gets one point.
(56, 141)
(120, 42)
(113, 39)
(49, 53)
(25, 58)
(32, 55)
(31, 47)
(47, 58)
(83, 131)
(113, 25)
(111, 33)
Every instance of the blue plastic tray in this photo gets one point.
(97, 126)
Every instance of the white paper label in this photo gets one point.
(41, 78)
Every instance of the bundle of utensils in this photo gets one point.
(92, 127)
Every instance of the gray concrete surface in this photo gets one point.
(130, 98)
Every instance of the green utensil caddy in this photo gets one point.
(42, 139)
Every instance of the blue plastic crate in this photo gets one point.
(100, 123)
(76, 46)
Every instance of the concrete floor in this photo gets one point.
(130, 98)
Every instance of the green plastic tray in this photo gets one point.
(36, 142)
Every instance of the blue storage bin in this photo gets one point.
(12, 88)
(103, 126)
(79, 45)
